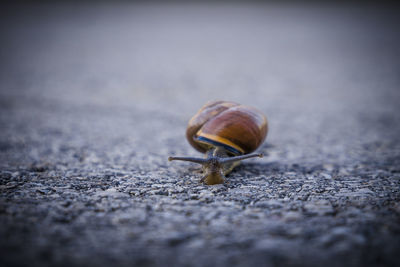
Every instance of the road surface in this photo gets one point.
(95, 97)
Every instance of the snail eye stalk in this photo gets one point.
(190, 159)
(214, 159)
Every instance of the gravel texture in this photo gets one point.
(94, 98)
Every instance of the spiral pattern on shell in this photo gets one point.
(240, 129)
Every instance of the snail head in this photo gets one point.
(215, 167)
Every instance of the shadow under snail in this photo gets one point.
(227, 133)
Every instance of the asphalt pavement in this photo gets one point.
(95, 97)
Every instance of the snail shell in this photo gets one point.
(239, 129)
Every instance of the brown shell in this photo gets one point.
(241, 127)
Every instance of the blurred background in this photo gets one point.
(292, 60)
(136, 54)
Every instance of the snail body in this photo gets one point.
(227, 133)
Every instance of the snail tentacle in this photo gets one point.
(238, 158)
(191, 159)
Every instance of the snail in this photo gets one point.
(227, 133)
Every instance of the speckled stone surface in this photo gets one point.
(94, 98)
